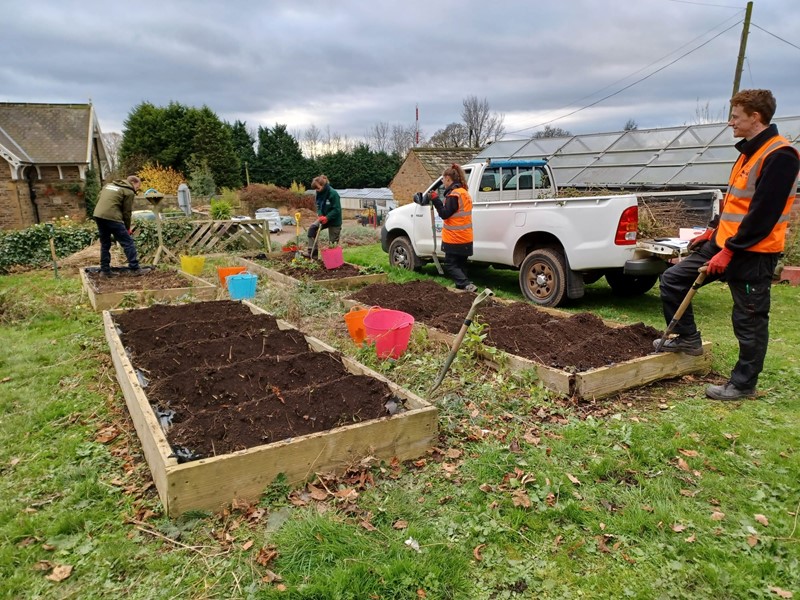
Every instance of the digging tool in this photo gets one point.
(297, 216)
(485, 294)
(314, 245)
(433, 230)
(682, 308)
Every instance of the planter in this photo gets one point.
(331, 284)
(214, 482)
(790, 275)
(194, 288)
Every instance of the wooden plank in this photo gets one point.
(155, 447)
(607, 381)
(212, 483)
(196, 288)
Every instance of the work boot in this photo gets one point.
(471, 287)
(688, 344)
(728, 391)
(138, 272)
(108, 274)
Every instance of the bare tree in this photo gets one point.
(453, 135)
(112, 141)
(704, 114)
(630, 125)
(378, 136)
(551, 132)
(482, 126)
(311, 140)
(402, 139)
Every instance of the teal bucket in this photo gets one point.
(242, 286)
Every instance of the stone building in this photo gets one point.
(46, 150)
(422, 166)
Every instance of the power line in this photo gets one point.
(629, 75)
(669, 64)
(775, 36)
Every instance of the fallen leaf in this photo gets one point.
(688, 493)
(281, 587)
(520, 498)
(647, 508)
(573, 479)
(368, 526)
(271, 576)
(13, 462)
(780, 592)
(400, 524)
(752, 540)
(717, 515)
(421, 593)
(266, 555)
(691, 539)
(5, 379)
(689, 453)
(485, 487)
(42, 565)
(106, 434)
(60, 573)
(247, 545)
(532, 439)
(762, 519)
(317, 493)
(453, 453)
(678, 528)
(476, 552)
(683, 465)
(514, 446)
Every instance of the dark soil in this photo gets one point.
(222, 379)
(305, 269)
(125, 281)
(577, 343)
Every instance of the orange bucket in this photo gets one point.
(223, 273)
(355, 322)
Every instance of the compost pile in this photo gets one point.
(222, 379)
(125, 281)
(305, 268)
(576, 343)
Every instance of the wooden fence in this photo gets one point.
(207, 237)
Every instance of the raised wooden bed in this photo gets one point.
(594, 383)
(331, 284)
(195, 287)
(212, 483)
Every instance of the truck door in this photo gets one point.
(423, 234)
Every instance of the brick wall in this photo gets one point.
(410, 179)
(57, 195)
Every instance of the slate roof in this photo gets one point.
(436, 160)
(47, 133)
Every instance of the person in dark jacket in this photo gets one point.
(113, 217)
(744, 245)
(456, 211)
(329, 215)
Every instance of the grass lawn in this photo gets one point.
(657, 493)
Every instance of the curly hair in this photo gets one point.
(760, 101)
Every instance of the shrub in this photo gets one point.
(791, 252)
(172, 232)
(91, 191)
(297, 188)
(221, 210)
(230, 196)
(31, 246)
(164, 179)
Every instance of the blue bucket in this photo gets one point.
(242, 286)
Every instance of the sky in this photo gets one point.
(347, 65)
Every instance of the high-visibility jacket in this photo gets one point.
(741, 187)
(457, 229)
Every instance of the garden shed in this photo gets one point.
(47, 150)
(422, 166)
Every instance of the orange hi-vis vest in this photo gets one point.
(741, 187)
(458, 228)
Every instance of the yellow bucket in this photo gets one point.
(193, 265)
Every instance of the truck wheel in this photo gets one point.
(630, 285)
(402, 255)
(543, 277)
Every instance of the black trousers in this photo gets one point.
(333, 236)
(456, 267)
(106, 229)
(750, 284)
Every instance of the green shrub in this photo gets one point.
(91, 191)
(791, 252)
(172, 232)
(221, 210)
(31, 247)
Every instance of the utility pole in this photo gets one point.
(737, 77)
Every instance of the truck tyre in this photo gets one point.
(543, 277)
(630, 285)
(402, 255)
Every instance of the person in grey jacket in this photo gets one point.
(113, 217)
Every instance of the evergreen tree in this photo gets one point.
(279, 159)
(244, 147)
(212, 145)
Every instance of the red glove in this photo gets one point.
(130, 231)
(434, 196)
(323, 219)
(703, 237)
(719, 262)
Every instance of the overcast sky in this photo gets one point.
(347, 65)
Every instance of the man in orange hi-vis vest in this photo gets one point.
(743, 246)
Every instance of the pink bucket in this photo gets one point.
(390, 330)
(332, 257)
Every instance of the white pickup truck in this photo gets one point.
(557, 244)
